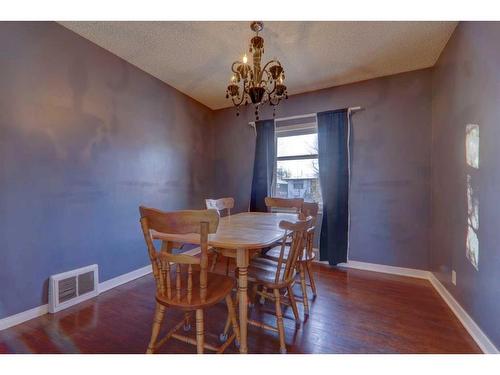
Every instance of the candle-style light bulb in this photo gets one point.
(233, 79)
(245, 59)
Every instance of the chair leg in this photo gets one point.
(232, 315)
(227, 265)
(224, 334)
(157, 321)
(291, 297)
(187, 323)
(279, 320)
(311, 278)
(304, 288)
(199, 331)
(262, 298)
(214, 262)
(253, 296)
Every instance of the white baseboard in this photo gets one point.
(411, 272)
(470, 325)
(122, 279)
(24, 316)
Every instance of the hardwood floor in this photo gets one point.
(355, 312)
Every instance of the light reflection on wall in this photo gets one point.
(472, 157)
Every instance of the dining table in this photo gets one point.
(237, 236)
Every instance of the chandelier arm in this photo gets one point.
(273, 89)
(269, 62)
(274, 104)
(235, 63)
(264, 81)
(241, 101)
(268, 75)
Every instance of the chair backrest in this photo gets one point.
(220, 205)
(167, 266)
(298, 231)
(310, 209)
(289, 204)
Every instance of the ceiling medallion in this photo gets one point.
(251, 83)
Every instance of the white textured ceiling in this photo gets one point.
(195, 57)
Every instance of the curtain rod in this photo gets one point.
(351, 109)
(294, 117)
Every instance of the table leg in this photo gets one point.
(242, 264)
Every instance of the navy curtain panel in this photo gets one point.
(263, 167)
(333, 160)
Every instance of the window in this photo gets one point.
(297, 173)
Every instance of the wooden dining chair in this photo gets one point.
(310, 209)
(223, 207)
(280, 275)
(304, 263)
(183, 281)
(288, 205)
(293, 205)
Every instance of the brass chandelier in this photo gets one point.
(253, 83)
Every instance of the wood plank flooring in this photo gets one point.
(355, 312)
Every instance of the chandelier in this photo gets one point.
(253, 83)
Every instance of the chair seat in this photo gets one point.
(218, 287)
(274, 254)
(263, 271)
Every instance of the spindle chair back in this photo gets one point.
(221, 205)
(167, 266)
(286, 204)
(288, 258)
(310, 209)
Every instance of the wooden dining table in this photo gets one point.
(237, 235)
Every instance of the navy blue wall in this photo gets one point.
(84, 139)
(466, 90)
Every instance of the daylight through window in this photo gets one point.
(297, 173)
(472, 158)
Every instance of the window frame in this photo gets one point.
(300, 128)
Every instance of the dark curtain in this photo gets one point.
(333, 159)
(263, 166)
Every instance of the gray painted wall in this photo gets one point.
(466, 90)
(390, 195)
(84, 139)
